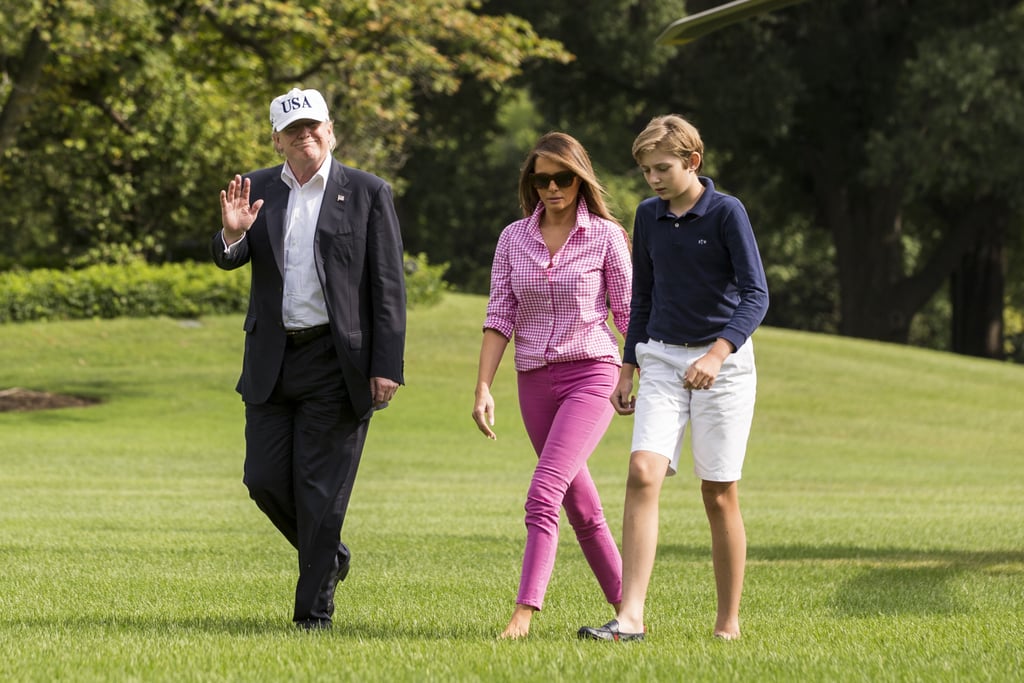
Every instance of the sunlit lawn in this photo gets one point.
(883, 496)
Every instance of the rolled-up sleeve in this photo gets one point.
(502, 306)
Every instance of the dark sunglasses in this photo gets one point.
(543, 180)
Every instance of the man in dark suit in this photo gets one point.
(325, 334)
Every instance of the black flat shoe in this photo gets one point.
(609, 631)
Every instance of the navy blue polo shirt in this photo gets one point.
(696, 277)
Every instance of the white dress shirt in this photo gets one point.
(303, 302)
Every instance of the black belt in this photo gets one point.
(296, 338)
(688, 345)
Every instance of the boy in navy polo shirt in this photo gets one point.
(699, 292)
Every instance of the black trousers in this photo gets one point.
(302, 453)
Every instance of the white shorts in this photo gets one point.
(720, 417)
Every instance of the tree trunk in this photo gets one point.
(877, 297)
(977, 286)
(874, 302)
(26, 78)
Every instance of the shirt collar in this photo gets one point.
(702, 205)
(324, 172)
(583, 215)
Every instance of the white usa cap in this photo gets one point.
(297, 105)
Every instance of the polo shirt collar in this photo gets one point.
(700, 208)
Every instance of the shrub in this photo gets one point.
(424, 283)
(133, 288)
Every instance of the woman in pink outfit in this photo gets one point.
(556, 274)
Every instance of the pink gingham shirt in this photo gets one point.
(557, 306)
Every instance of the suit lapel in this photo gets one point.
(276, 206)
(332, 211)
(335, 197)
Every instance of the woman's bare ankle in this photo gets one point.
(630, 623)
(519, 624)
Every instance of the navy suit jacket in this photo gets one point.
(359, 260)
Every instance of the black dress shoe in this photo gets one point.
(609, 631)
(313, 624)
(343, 561)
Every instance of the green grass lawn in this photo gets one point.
(883, 496)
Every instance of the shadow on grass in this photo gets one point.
(143, 625)
(886, 581)
(146, 626)
(85, 395)
(79, 394)
(963, 559)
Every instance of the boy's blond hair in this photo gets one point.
(670, 133)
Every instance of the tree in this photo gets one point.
(962, 98)
(25, 73)
(144, 108)
(621, 77)
(460, 179)
(608, 91)
(860, 106)
(824, 117)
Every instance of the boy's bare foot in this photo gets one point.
(727, 629)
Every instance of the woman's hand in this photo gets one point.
(483, 411)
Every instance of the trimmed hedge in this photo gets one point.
(177, 290)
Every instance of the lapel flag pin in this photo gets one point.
(341, 197)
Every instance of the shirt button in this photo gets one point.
(677, 225)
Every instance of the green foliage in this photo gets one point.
(1014, 334)
(798, 260)
(112, 254)
(625, 191)
(930, 327)
(146, 109)
(177, 290)
(841, 125)
(604, 96)
(962, 75)
(128, 287)
(829, 119)
(462, 179)
(424, 283)
(466, 241)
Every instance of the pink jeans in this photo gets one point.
(566, 411)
